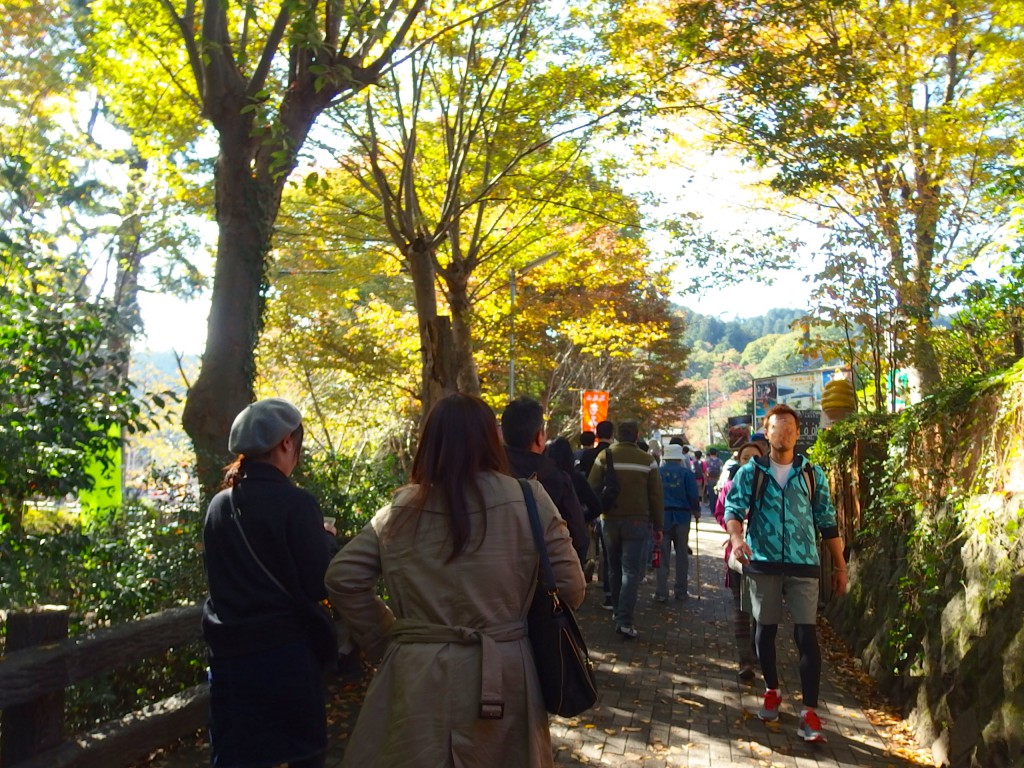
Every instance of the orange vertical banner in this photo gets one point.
(595, 408)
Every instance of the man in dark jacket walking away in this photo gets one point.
(605, 431)
(522, 428)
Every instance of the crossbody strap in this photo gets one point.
(235, 515)
(547, 575)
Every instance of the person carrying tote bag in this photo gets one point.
(456, 683)
(563, 663)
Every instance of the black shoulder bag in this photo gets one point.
(321, 630)
(563, 662)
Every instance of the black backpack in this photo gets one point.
(609, 491)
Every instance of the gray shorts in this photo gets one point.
(768, 591)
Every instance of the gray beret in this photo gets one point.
(262, 425)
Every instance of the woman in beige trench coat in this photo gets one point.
(456, 685)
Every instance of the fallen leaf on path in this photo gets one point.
(690, 702)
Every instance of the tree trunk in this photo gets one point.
(462, 338)
(246, 208)
(926, 362)
(436, 348)
(252, 168)
(126, 300)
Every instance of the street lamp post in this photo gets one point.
(512, 275)
(707, 390)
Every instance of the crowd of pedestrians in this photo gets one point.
(454, 554)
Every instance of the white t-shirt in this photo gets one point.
(781, 472)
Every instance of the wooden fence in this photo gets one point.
(41, 662)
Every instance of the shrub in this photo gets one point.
(108, 577)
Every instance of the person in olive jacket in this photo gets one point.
(639, 505)
(266, 551)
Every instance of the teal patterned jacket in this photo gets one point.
(783, 525)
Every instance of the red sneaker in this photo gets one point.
(770, 710)
(810, 726)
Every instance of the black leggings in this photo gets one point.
(806, 638)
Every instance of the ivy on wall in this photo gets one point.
(932, 481)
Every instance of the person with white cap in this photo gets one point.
(682, 503)
(266, 551)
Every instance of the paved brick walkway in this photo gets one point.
(671, 697)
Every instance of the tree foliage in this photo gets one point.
(261, 76)
(596, 318)
(344, 324)
(341, 328)
(987, 333)
(474, 151)
(891, 120)
(69, 172)
(64, 388)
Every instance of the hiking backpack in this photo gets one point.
(761, 481)
(714, 467)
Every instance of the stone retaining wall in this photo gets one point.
(936, 606)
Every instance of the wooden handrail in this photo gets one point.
(33, 680)
(129, 739)
(27, 675)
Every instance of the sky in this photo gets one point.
(721, 191)
(717, 188)
(174, 324)
(171, 323)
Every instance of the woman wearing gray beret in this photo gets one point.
(266, 550)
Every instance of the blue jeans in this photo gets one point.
(677, 536)
(645, 556)
(606, 583)
(624, 545)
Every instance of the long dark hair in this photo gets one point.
(560, 451)
(459, 441)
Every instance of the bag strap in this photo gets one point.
(235, 515)
(808, 472)
(761, 480)
(547, 575)
(758, 484)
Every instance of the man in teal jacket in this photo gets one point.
(780, 556)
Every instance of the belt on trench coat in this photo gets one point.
(492, 700)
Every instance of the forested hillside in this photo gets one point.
(738, 333)
(727, 354)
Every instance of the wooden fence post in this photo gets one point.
(31, 728)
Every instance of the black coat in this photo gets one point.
(589, 499)
(246, 612)
(589, 456)
(266, 689)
